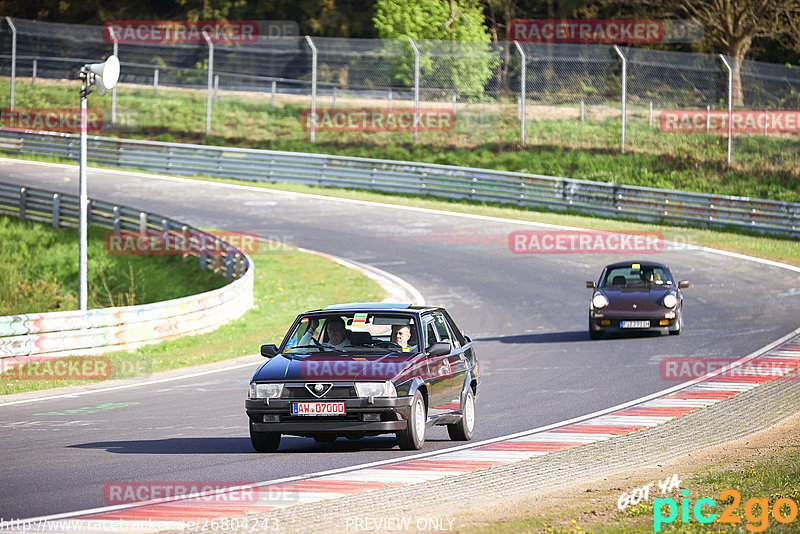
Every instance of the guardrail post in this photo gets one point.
(313, 131)
(56, 210)
(23, 202)
(210, 80)
(730, 106)
(89, 208)
(13, 59)
(522, 96)
(416, 89)
(624, 91)
(155, 81)
(116, 220)
(229, 264)
(33, 73)
(142, 223)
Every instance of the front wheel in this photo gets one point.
(462, 431)
(678, 326)
(264, 441)
(413, 436)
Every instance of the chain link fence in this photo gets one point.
(333, 90)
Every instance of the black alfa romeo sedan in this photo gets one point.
(356, 370)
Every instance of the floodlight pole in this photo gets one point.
(13, 59)
(83, 198)
(114, 90)
(210, 44)
(730, 106)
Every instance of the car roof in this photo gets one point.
(377, 306)
(631, 262)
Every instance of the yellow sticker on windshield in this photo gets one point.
(636, 266)
(359, 319)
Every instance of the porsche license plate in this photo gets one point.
(318, 408)
(634, 324)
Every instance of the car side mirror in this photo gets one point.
(269, 351)
(591, 285)
(440, 348)
(683, 284)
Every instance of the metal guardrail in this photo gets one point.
(463, 183)
(126, 327)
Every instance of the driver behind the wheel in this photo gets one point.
(401, 333)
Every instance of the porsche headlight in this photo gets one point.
(375, 389)
(670, 300)
(265, 391)
(599, 301)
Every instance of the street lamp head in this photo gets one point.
(103, 75)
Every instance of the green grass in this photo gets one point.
(38, 271)
(772, 479)
(764, 167)
(287, 282)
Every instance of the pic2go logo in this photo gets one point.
(756, 511)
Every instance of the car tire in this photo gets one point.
(462, 431)
(677, 331)
(594, 334)
(413, 436)
(264, 441)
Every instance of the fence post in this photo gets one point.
(624, 91)
(651, 114)
(334, 97)
(216, 87)
(766, 118)
(730, 106)
(56, 210)
(522, 95)
(210, 80)
(33, 75)
(313, 88)
(390, 100)
(582, 109)
(155, 81)
(114, 89)
(416, 89)
(272, 98)
(708, 117)
(23, 202)
(13, 59)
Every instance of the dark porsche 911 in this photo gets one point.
(636, 296)
(356, 370)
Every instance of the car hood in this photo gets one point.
(644, 298)
(335, 366)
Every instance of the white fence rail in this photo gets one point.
(57, 334)
(464, 183)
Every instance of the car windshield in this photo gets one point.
(352, 332)
(636, 275)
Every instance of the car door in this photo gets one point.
(450, 370)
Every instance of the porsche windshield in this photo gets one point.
(354, 332)
(636, 275)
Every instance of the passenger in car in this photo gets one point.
(336, 334)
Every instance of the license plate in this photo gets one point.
(318, 408)
(634, 324)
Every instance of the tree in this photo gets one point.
(465, 65)
(731, 26)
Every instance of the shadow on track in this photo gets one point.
(567, 337)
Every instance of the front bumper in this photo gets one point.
(607, 321)
(393, 413)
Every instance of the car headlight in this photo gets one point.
(265, 391)
(599, 300)
(670, 300)
(375, 389)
